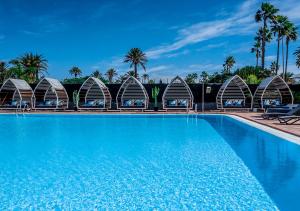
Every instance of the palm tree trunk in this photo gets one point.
(282, 51)
(277, 59)
(286, 58)
(263, 42)
(135, 70)
(257, 59)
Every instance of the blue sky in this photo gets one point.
(179, 37)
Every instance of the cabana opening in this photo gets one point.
(93, 94)
(234, 94)
(50, 94)
(177, 95)
(15, 93)
(132, 95)
(272, 91)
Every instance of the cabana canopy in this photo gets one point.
(234, 93)
(50, 94)
(177, 95)
(132, 95)
(93, 94)
(15, 93)
(272, 91)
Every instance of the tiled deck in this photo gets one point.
(256, 117)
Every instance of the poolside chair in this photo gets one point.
(289, 120)
(281, 113)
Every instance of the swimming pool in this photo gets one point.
(144, 161)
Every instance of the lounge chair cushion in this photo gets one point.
(48, 102)
(182, 103)
(100, 102)
(171, 102)
(127, 103)
(14, 103)
(91, 103)
(139, 102)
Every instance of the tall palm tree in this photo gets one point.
(265, 14)
(33, 65)
(297, 54)
(97, 74)
(136, 57)
(278, 29)
(257, 50)
(75, 71)
(111, 73)
(273, 67)
(145, 77)
(3, 71)
(132, 73)
(229, 62)
(291, 34)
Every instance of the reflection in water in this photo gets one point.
(273, 161)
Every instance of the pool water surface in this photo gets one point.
(144, 162)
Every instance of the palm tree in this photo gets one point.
(3, 71)
(111, 73)
(136, 57)
(266, 13)
(257, 50)
(97, 74)
(132, 73)
(273, 67)
(145, 77)
(33, 65)
(278, 29)
(297, 54)
(229, 62)
(290, 33)
(75, 71)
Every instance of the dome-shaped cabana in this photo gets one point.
(177, 95)
(234, 94)
(94, 95)
(50, 94)
(272, 91)
(132, 95)
(15, 93)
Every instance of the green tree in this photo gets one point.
(97, 74)
(110, 74)
(3, 71)
(257, 50)
(228, 64)
(265, 14)
(33, 65)
(274, 67)
(191, 78)
(136, 57)
(290, 33)
(204, 76)
(75, 71)
(297, 54)
(252, 79)
(278, 29)
(145, 77)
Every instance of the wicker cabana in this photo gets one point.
(50, 94)
(177, 95)
(132, 95)
(15, 93)
(93, 94)
(272, 91)
(234, 94)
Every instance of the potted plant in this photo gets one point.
(75, 100)
(155, 92)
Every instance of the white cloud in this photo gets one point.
(241, 22)
(270, 58)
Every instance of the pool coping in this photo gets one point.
(267, 128)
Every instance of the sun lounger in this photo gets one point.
(283, 112)
(289, 120)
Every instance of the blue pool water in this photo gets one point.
(121, 162)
